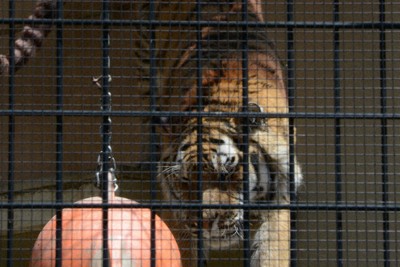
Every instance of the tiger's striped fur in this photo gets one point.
(220, 160)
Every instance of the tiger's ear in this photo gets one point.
(253, 122)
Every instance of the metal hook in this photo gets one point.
(96, 81)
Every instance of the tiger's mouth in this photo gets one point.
(218, 233)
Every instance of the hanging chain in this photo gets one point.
(110, 158)
(111, 170)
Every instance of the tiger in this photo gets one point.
(222, 148)
(207, 153)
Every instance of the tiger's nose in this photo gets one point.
(223, 162)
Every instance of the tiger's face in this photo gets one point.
(214, 175)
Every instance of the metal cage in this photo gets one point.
(340, 60)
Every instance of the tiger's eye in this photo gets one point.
(185, 179)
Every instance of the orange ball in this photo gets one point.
(129, 232)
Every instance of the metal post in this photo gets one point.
(200, 244)
(338, 156)
(384, 142)
(245, 137)
(106, 127)
(59, 134)
(153, 134)
(11, 135)
(291, 92)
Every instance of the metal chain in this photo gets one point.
(111, 170)
(111, 159)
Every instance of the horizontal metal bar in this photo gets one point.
(274, 24)
(298, 115)
(255, 206)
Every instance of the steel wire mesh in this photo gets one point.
(340, 60)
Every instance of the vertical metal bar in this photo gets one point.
(291, 92)
(245, 138)
(59, 137)
(200, 244)
(153, 138)
(384, 143)
(106, 126)
(338, 159)
(11, 135)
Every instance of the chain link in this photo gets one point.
(111, 170)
